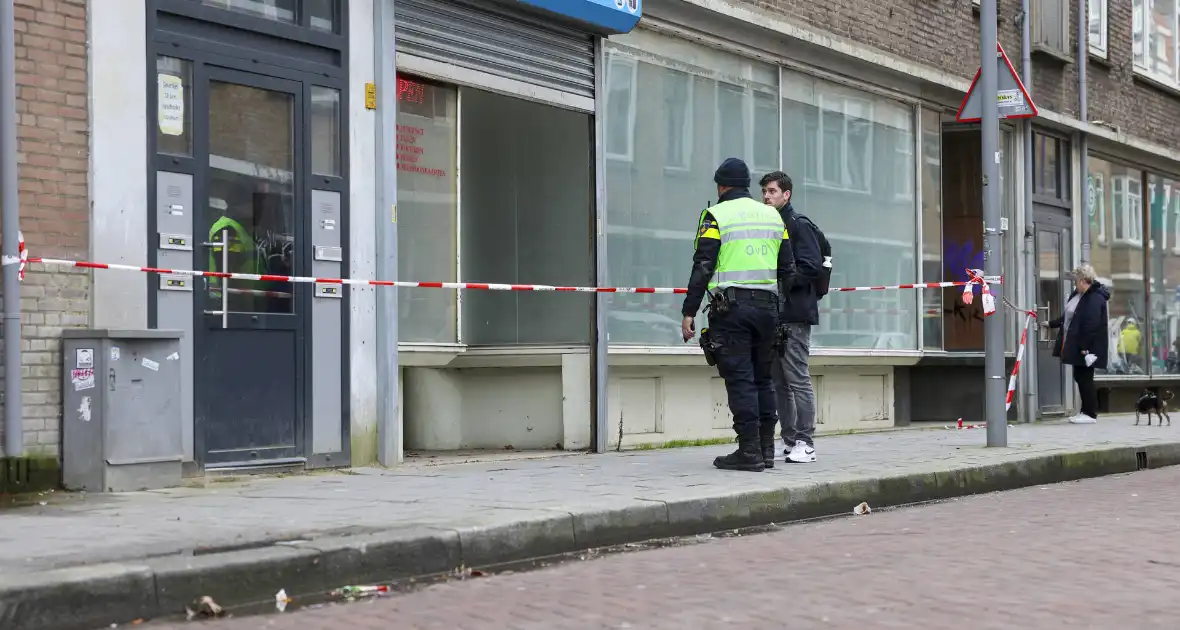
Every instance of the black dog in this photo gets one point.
(1150, 403)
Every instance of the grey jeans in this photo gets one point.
(792, 384)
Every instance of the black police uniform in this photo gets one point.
(742, 336)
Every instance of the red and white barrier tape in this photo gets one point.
(1028, 319)
(485, 286)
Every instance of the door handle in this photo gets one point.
(224, 245)
(1043, 334)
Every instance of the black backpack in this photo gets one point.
(823, 282)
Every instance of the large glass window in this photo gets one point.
(674, 110)
(1155, 43)
(526, 218)
(851, 156)
(427, 196)
(932, 299)
(1164, 291)
(1117, 213)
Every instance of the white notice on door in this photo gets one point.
(151, 365)
(170, 104)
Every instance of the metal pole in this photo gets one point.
(10, 224)
(389, 430)
(1084, 116)
(224, 279)
(994, 391)
(600, 351)
(1029, 373)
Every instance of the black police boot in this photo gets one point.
(768, 451)
(748, 456)
(766, 437)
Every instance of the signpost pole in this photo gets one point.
(13, 418)
(993, 388)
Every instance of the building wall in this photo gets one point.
(943, 34)
(53, 162)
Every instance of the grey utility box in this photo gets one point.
(121, 418)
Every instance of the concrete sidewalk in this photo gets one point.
(85, 562)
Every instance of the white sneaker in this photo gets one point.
(801, 453)
(1082, 418)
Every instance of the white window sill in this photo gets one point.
(1157, 82)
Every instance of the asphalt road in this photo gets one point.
(1102, 553)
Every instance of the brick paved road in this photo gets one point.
(1093, 554)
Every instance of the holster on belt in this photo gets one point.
(709, 347)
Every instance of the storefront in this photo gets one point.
(889, 177)
(497, 183)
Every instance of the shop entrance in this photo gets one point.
(1053, 263)
(249, 333)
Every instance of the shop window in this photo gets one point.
(325, 131)
(652, 210)
(427, 202)
(527, 211)
(859, 137)
(962, 233)
(174, 117)
(1154, 40)
(1096, 18)
(1164, 281)
(932, 304)
(1119, 264)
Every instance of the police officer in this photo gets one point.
(742, 253)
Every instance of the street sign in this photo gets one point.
(1012, 98)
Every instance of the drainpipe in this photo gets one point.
(1084, 116)
(9, 223)
(1031, 402)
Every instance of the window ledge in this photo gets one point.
(1045, 51)
(1098, 59)
(1142, 76)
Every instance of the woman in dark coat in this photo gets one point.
(1082, 340)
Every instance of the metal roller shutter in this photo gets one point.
(499, 40)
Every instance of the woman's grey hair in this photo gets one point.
(1085, 273)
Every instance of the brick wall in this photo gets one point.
(944, 34)
(53, 159)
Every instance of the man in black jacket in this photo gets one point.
(800, 311)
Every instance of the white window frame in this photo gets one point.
(686, 135)
(844, 180)
(1097, 41)
(749, 126)
(615, 59)
(1124, 211)
(1141, 34)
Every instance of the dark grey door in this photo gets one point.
(249, 332)
(1053, 247)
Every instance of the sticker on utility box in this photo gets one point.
(82, 378)
(114, 353)
(151, 365)
(85, 357)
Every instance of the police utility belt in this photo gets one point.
(722, 301)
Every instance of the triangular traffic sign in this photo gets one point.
(1012, 98)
